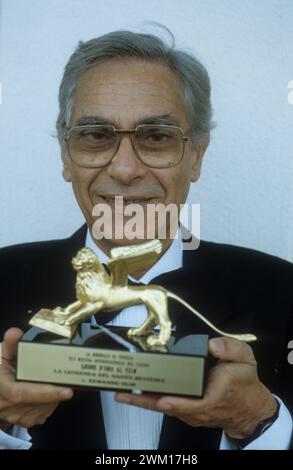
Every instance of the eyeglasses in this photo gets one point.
(156, 146)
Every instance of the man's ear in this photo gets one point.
(198, 154)
(66, 172)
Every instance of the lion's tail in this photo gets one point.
(241, 337)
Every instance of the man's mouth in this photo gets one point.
(113, 200)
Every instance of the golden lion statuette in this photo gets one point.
(96, 290)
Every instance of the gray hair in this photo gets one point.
(129, 45)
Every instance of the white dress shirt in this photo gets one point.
(129, 427)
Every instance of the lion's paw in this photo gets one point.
(154, 340)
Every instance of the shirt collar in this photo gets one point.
(172, 258)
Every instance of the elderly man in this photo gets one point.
(134, 121)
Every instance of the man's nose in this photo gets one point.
(125, 166)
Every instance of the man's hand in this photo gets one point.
(25, 404)
(235, 399)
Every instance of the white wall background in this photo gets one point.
(246, 187)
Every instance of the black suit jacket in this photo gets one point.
(240, 290)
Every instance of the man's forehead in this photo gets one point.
(154, 119)
(123, 91)
(130, 71)
(134, 88)
(124, 88)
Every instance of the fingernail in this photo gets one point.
(216, 344)
(123, 398)
(66, 393)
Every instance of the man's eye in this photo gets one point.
(157, 137)
(96, 136)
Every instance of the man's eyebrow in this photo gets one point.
(162, 119)
(92, 121)
(156, 119)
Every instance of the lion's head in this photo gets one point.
(85, 260)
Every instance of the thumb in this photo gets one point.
(9, 345)
(231, 350)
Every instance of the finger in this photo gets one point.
(37, 393)
(28, 415)
(31, 393)
(181, 406)
(167, 404)
(40, 415)
(148, 401)
(231, 350)
(9, 345)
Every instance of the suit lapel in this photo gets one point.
(199, 283)
(195, 283)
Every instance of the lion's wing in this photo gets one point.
(130, 259)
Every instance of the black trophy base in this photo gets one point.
(105, 358)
